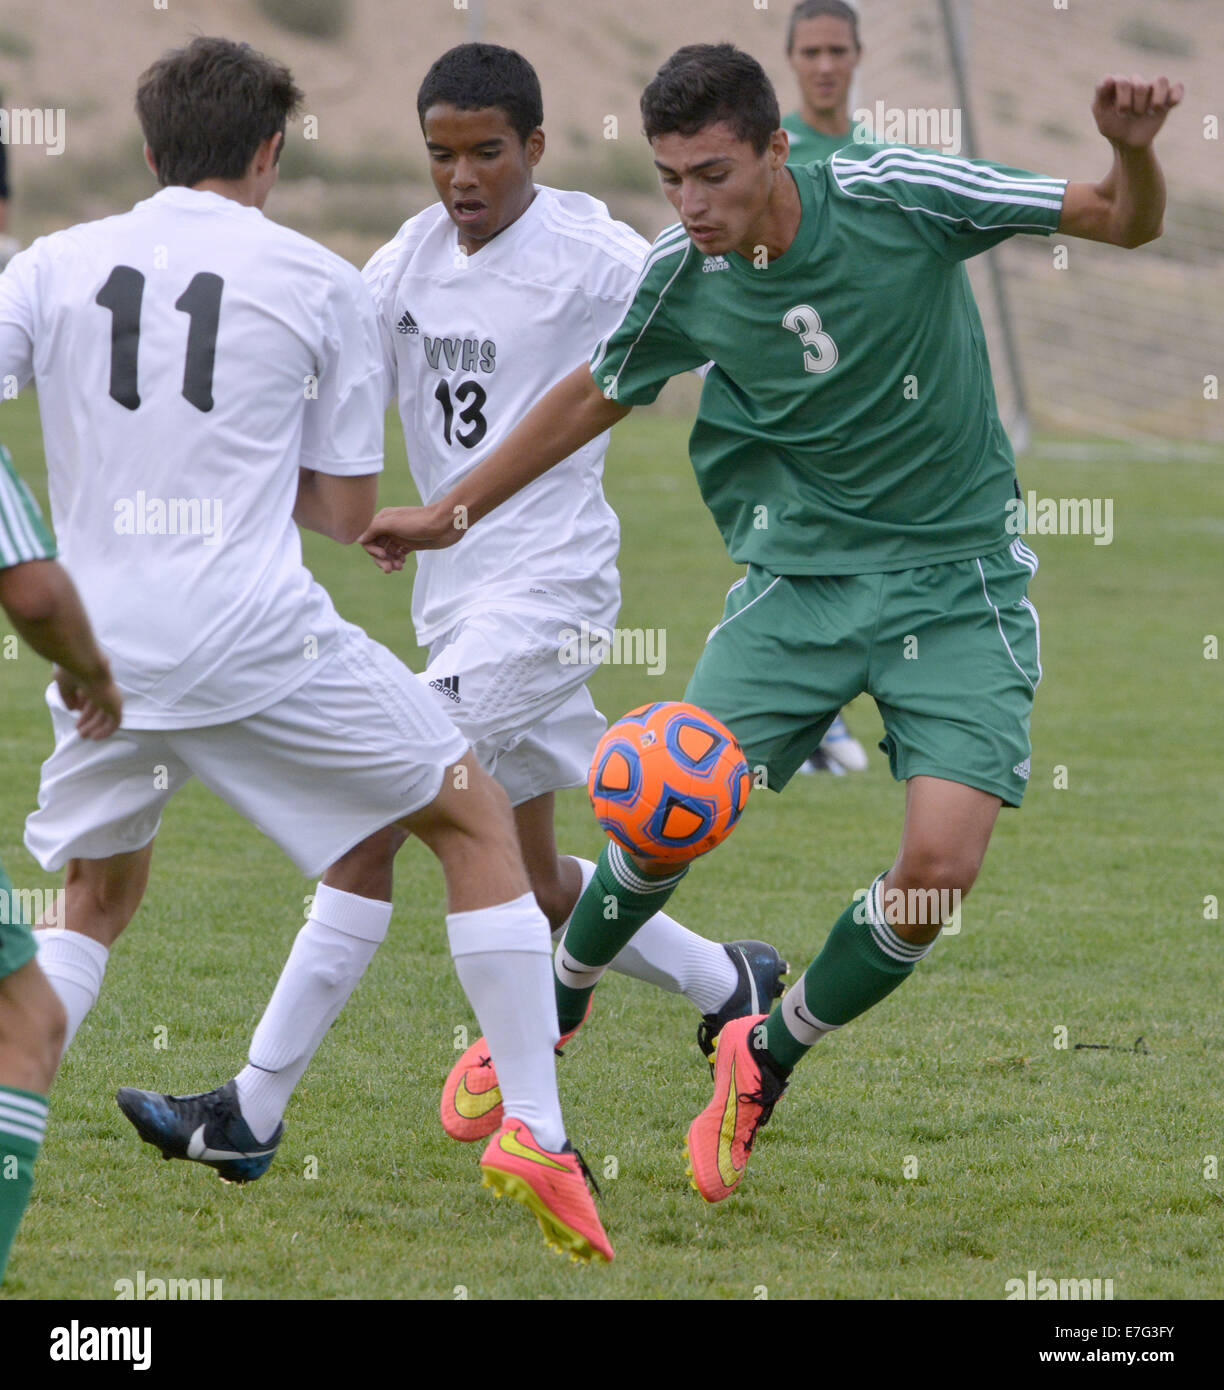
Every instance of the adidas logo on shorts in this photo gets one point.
(1022, 769)
(448, 685)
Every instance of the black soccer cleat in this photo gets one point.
(206, 1128)
(760, 969)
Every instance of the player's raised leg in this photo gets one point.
(713, 977)
(873, 948)
(350, 914)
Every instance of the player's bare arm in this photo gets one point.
(1127, 207)
(336, 507)
(43, 605)
(573, 413)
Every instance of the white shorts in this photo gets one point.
(506, 681)
(356, 747)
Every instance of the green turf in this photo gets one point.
(1089, 916)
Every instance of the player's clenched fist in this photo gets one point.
(1129, 111)
(397, 531)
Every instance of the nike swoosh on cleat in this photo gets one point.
(727, 1170)
(197, 1149)
(472, 1107)
(510, 1143)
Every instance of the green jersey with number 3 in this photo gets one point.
(848, 424)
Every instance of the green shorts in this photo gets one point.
(17, 946)
(951, 654)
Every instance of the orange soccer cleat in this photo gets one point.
(552, 1185)
(471, 1099)
(745, 1093)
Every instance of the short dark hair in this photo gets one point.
(815, 9)
(205, 109)
(704, 83)
(473, 76)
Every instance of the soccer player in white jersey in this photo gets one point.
(206, 378)
(485, 299)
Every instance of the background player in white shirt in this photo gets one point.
(485, 300)
(206, 377)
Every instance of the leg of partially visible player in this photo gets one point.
(873, 948)
(31, 1039)
(662, 952)
(100, 898)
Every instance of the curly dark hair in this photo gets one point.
(473, 76)
(703, 83)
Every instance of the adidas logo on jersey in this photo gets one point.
(448, 685)
(712, 263)
(407, 324)
(1022, 769)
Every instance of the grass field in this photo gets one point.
(1024, 1155)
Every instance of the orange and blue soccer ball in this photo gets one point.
(668, 781)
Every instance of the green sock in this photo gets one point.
(863, 960)
(618, 900)
(23, 1118)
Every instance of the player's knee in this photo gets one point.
(366, 870)
(933, 868)
(471, 815)
(550, 893)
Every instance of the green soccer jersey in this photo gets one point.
(848, 424)
(808, 145)
(23, 536)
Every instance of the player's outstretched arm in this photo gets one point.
(43, 605)
(573, 413)
(1127, 207)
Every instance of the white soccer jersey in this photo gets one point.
(471, 344)
(190, 356)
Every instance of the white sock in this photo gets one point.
(503, 961)
(75, 965)
(328, 959)
(666, 954)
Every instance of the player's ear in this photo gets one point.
(534, 145)
(269, 152)
(265, 156)
(778, 149)
(150, 161)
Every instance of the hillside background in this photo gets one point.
(1116, 343)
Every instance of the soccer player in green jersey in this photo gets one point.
(823, 49)
(849, 447)
(44, 607)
